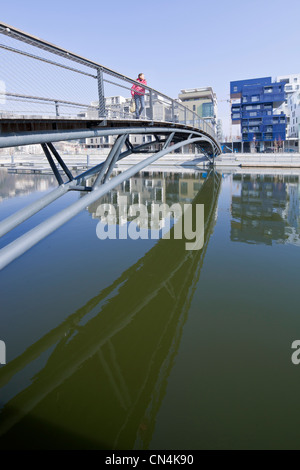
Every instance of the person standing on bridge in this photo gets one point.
(138, 93)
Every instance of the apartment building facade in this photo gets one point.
(256, 108)
(291, 108)
(202, 101)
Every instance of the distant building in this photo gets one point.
(202, 101)
(291, 108)
(219, 130)
(291, 83)
(293, 132)
(256, 108)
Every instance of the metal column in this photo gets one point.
(52, 164)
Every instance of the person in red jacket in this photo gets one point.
(138, 93)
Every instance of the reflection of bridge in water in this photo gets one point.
(109, 362)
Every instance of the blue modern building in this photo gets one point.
(256, 107)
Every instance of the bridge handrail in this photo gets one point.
(195, 121)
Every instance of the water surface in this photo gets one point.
(141, 344)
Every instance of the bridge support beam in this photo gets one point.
(60, 161)
(169, 140)
(110, 161)
(52, 164)
(46, 148)
(121, 141)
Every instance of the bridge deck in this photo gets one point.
(38, 124)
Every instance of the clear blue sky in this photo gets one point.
(177, 44)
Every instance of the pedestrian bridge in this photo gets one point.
(49, 95)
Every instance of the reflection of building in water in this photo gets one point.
(188, 188)
(12, 185)
(265, 209)
(153, 187)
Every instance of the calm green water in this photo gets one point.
(123, 344)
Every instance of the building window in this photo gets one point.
(254, 98)
(194, 107)
(257, 106)
(268, 90)
(235, 88)
(253, 114)
(244, 99)
(184, 188)
(207, 110)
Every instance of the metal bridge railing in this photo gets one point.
(42, 80)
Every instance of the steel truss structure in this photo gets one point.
(101, 186)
